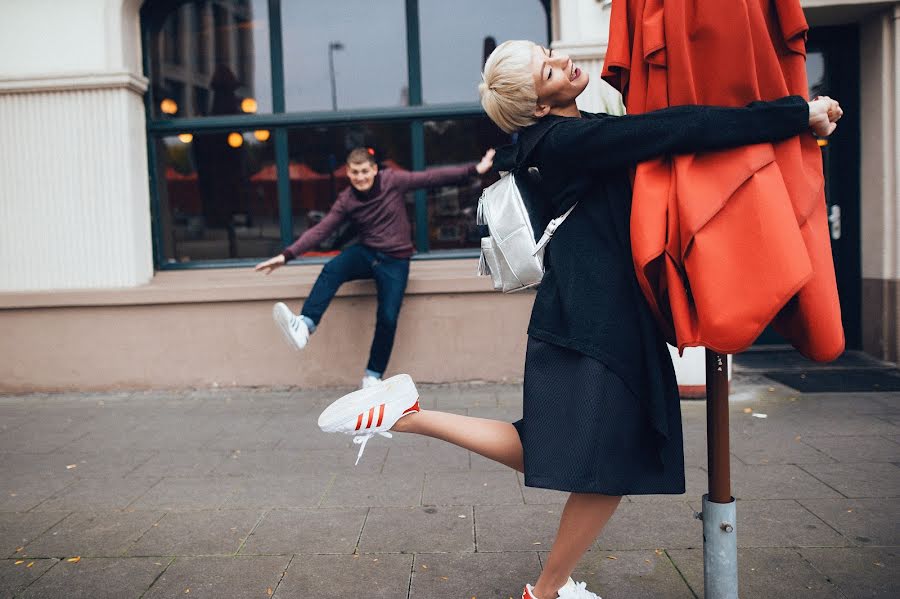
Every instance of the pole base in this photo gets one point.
(720, 576)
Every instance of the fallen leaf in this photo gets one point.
(187, 590)
(70, 466)
(536, 543)
(771, 389)
(879, 564)
(444, 578)
(613, 557)
(21, 561)
(269, 591)
(30, 564)
(748, 410)
(647, 561)
(424, 567)
(74, 560)
(18, 549)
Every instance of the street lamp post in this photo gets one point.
(332, 46)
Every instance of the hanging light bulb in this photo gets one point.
(168, 106)
(248, 105)
(235, 140)
(185, 138)
(262, 134)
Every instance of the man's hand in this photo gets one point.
(824, 113)
(487, 161)
(271, 264)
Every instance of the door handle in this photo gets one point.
(834, 220)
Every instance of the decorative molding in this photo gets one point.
(74, 82)
(582, 50)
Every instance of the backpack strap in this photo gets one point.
(551, 229)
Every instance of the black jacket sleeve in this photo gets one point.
(615, 142)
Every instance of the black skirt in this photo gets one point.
(583, 430)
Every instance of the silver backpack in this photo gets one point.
(510, 255)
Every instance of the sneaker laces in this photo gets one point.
(361, 440)
(579, 591)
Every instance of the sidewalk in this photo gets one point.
(234, 493)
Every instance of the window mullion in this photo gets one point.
(282, 155)
(417, 131)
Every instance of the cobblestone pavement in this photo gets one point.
(235, 493)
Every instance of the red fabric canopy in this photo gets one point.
(726, 242)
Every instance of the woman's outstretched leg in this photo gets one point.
(494, 439)
(582, 519)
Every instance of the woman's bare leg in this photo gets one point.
(582, 520)
(494, 439)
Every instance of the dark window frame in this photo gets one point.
(153, 15)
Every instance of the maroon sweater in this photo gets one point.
(380, 213)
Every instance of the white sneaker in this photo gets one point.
(371, 411)
(291, 326)
(571, 590)
(369, 381)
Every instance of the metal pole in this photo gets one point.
(719, 515)
(332, 46)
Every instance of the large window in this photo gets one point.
(254, 105)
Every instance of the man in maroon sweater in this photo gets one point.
(375, 204)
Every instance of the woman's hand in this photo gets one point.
(824, 113)
(487, 161)
(271, 264)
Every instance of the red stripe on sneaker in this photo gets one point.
(380, 414)
(371, 415)
(359, 422)
(411, 409)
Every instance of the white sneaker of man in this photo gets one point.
(291, 325)
(371, 411)
(369, 381)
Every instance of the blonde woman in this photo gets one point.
(601, 407)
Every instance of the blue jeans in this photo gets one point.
(361, 262)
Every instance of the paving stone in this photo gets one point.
(777, 481)
(857, 449)
(350, 490)
(279, 492)
(372, 575)
(19, 529)
(632, 574)
(516, 527)
(501, 413)
(861, 572)
(280, 462)
(187, 494)
(859, 480)
(217, 577)
(74, 465)
(423, 529)
(177, 464)
(96, 578)
(783, 447)
(92, 494)
(285, 532)
(763, 573)
(98, 534)
(651, 526)
(24, 492)
(214, 532)
(480, 463)
(432, 458)
(783, 523)
(538, 496)
(36, 438)
(468, 397)
(467, 575)
(863, 521)
(472, 488)
(15, 577)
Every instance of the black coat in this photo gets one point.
(589, 299)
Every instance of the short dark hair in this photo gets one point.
(358, 155)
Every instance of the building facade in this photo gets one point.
(157, 149)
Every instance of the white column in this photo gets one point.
(74, 194)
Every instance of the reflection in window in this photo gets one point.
(228, 41)
(452, 56)
(218, 196)
(344, 55)
(815, 73)
(318, 172)
(451, 209)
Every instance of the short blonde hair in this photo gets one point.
(507, 88)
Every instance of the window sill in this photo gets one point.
(426, 277)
